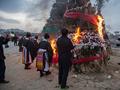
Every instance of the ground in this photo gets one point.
(21, 79)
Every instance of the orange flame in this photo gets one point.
(100, 26)
(76, 36)
(53, 45)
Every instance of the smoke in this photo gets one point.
(39, 8)
(43, 4)
(38, 11)
(101, 3)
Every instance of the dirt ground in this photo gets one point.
(21, 79)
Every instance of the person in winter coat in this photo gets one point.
(47, 56)
(2, 62)
(64, 46)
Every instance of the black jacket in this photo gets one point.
(20, 43)
(36, 47)
(46, 45)
(2, 41)
(64, 45)
(29, 46)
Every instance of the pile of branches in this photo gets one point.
(90, 54)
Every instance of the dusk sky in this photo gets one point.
(31, 15)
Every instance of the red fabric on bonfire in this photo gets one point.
(55, 59)
(86, 17)
(87, 59)
(82, 60)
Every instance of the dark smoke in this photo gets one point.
(38, 11)
(101, 3)
(39, 7)
(43, 4)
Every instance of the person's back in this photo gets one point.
(30, 47)
(46, 45)
(47, 56)
(7, 39)
(64, 45)
(20, 44)
(26, 43)
(21, 40)
(36, 46)
(16, 38)
(28, 51)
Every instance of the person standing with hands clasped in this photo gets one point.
(64, 46)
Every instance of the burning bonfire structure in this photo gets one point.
(86, 30)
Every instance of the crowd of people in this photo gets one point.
(31, 49)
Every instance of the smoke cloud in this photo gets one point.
(101, 3)
(38, 11)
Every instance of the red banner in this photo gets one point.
(82, 60)
(55, 59)
(87, 59)
(86, 17)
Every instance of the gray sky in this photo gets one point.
(111, 14)
(31, 15)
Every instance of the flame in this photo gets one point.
(100, 26)
(53, 45)
(76, 36)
